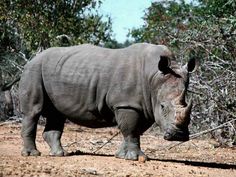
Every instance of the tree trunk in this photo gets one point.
(6, 105)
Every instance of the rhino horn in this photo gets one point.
(180, 101)
(183, 114)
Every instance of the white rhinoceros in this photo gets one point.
(98, 87)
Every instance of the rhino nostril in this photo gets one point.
(176, 134)
(167, 136)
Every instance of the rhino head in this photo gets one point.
(171, 110)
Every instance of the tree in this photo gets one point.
(27, 27)
(218, 8)
(40, 22)
(113, 44)
(205, 30)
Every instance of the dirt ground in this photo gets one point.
(193, 158)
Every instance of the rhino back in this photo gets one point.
(84, 81)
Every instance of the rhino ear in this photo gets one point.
(164, 64)
(192, 65)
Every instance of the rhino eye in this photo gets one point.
(162, 106)
(165, 110)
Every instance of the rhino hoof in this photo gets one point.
(131, 155)
(59, 153)
(33, 152)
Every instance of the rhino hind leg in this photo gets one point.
(31, 97)
(127, 120)
(53, 132)
(28, 133)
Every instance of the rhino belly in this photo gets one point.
(79, 103)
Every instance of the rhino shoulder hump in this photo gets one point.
(157, 50)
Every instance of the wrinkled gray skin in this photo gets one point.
(97, 87)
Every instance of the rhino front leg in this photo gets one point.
(128, 120)
(52, 134)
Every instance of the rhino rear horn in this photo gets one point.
(189, 107)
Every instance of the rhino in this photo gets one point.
(92, 86)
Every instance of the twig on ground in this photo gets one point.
(70, 144)
(106, 142)
(75, 142)
(202, 133)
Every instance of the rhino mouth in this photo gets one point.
(176, 134)
(178, 131)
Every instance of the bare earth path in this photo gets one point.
(194, 158)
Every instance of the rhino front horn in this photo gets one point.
(180, 101)
(183, 114)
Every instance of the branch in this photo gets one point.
(203, 132)
(9, 85)
(231, 114)
(106, 142)
(70, 144)
(75, 142)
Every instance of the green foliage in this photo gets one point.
(11, 59)
(40, 22)
(218, 8)
(113, 44)
(206, 30)
(27, 27)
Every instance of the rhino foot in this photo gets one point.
(32, 152)
(58, 153)
(130, 154)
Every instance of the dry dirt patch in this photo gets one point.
(194, 158)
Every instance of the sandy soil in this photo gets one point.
(193, 158)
